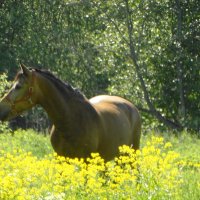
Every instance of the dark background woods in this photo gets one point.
(144, 50)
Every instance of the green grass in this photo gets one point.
(29, 141)
(189, 148)
(187, 145)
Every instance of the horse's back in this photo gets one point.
(120, 123)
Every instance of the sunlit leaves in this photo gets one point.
(87, 43)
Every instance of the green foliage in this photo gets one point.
(87, 43)
(4, 83)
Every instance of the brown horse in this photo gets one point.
(81, 126)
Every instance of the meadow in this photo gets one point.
(166, 167)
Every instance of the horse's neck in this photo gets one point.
(63, 112)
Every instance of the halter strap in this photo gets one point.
(26, 98)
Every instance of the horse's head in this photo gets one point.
(21, 95)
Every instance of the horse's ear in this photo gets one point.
(25, 70)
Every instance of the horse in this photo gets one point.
(80, 125)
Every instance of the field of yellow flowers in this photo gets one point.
(164, 168)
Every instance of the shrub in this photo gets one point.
(4, 83)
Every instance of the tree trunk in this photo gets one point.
(179, 58)
(134, 58)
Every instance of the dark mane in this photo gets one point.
(63, 87)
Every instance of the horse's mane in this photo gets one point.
(63, 87)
